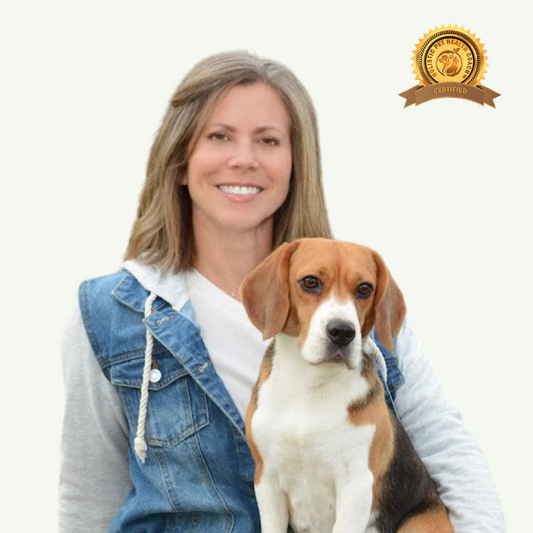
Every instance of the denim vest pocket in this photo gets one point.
(177, 406)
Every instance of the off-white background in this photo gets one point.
(441, 190)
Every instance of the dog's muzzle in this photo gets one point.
(340, 332)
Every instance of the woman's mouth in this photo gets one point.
(236, 189)
(239, 193)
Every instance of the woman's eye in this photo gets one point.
(271, 141)
(364, 290)
(217, 136)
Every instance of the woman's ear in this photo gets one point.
(265, 292)
(389, 305)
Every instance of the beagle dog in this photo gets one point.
(330, 456)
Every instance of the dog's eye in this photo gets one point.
(310, 282)
(364, 290)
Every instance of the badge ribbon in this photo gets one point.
(449, 62)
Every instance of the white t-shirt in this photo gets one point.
(235, 345)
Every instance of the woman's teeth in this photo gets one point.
(233, 189)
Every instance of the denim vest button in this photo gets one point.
(155, 375)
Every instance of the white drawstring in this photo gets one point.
(140, 443)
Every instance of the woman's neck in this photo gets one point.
(225, 258)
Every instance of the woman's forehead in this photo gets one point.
(258, 105)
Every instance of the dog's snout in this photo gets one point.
(341, 332)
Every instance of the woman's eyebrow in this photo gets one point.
(265, 128)
(225, 126)
(260, 129)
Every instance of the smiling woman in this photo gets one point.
(252, 117)
(160, 358)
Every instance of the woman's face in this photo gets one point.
(246, 142)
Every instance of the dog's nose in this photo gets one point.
(340, 332)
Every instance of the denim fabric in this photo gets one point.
(394, 375)
(198, 474)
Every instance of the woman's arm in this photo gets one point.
(94, 479)
(450, 453)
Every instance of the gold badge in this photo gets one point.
(449, 62)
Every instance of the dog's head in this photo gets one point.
(327, 293)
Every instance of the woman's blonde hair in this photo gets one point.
(162, 232)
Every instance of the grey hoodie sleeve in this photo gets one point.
(94, 479)
(449, 451)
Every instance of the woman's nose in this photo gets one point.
(243, 156)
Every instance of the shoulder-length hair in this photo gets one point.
(162, 232)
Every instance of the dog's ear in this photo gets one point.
(389, 305)
(265, 291)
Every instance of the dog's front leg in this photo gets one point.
(354, 503)
(273, 508)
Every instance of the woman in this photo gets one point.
(160, 358)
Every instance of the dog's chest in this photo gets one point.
(309, 446)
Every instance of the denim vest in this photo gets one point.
(198, 473)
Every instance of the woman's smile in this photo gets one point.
(238, 193)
